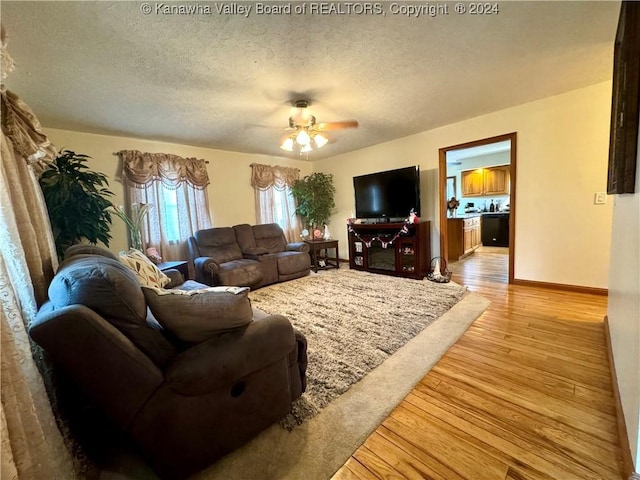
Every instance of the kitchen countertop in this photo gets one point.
(466, 215)
(474, 214)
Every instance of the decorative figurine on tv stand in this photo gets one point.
(413, 218)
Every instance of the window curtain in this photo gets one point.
(274, 202)
(176, 187)
(32, 447)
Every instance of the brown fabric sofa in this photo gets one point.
(183, 405)
(246, 255)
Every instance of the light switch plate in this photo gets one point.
(600, 198)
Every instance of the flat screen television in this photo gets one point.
(390, 194)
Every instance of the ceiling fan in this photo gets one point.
(306, 133)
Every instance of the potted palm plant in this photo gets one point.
(76, 199)
(314, 196)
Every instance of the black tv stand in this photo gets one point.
(408, 256)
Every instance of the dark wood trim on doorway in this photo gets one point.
(442, 172)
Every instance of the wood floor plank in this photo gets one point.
(530, 399)
(556, 385)
(534, 458)
(524, 394)
(538, 425)
(376, 465)
(428, 466)
(562, 390)
(461, 457)
(380, 448)
(350, 471)
(359, 470)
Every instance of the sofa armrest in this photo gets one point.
(254, 253)
(206, 270)
(224, 359)
(175, 276)
(298, 247)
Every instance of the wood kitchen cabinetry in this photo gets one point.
(464, 236)
(496, 181)
(485, 181)
(472, 183)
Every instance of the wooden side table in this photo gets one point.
(181, 265)
(320, 261)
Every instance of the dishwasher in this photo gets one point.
(495, 229)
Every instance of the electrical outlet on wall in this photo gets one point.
(600, 198)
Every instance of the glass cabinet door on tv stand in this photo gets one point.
(406, 255)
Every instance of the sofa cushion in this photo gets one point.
(219, 244)
(242, 273)
(147, 273)
(270, 236)
(111, 290)
(193, 316)
(293, 262)
(244, 237)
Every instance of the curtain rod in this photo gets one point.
(116, 154)
(273, 166)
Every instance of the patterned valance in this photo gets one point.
(22, 127)
(266, 176)
(140, 169)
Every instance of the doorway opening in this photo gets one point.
(477, 207)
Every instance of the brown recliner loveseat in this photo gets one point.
(246, 255)
(183, 402)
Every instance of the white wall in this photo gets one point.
(231, 198)
(563, 142)
(624, 308)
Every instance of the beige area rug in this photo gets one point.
(319, 447)
(353, 321)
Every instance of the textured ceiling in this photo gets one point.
(227, 81)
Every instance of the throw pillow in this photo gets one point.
(196, 315)
(148, 274)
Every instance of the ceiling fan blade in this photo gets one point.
(326, 126)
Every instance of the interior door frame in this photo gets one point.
(442, 173)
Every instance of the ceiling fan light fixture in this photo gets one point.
(287, 145)
(303, 138)
(320, 140)
(305, 133)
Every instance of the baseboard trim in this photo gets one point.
(561, 286)
(627, 460)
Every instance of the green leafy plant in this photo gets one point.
(314, 195)
(77, 202)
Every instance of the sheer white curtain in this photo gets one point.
(176, 187)
(31, 446)
(273, 199)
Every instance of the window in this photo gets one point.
(177, 189)
(169, 205)
(274, 202)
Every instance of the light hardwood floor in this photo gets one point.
(525, 393)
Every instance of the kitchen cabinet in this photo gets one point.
(472, 183)
(485, 181)
(463, 236)
(496, 181)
